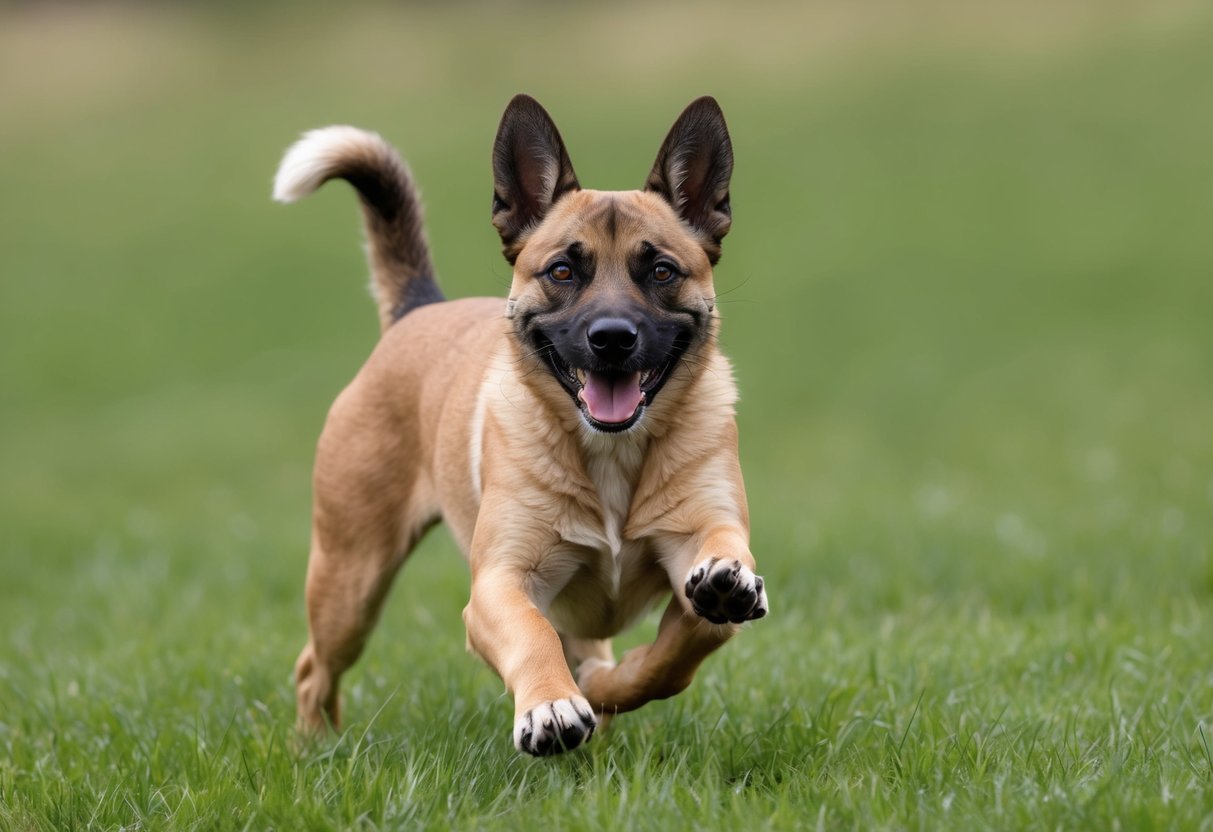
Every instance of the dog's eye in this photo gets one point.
(561, 273)
(662, 273)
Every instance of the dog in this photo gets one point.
(578, 438)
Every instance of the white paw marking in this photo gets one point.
(722, 590)
(553, 727)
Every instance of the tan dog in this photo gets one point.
(578, 438)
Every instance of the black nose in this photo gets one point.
(612, 339)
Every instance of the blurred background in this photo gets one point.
(967, 293)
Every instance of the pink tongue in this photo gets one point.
(611, 399)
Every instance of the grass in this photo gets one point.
(968, 301)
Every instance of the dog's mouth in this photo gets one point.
(610, 400)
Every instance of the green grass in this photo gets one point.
(969, 294)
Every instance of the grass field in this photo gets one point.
(970, 303)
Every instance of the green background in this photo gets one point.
(968, 295)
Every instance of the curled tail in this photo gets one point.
(402, 276)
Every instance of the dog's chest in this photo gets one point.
(614, 469)
(596, 580)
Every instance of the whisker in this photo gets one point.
(546, 349)
(730, 291)
(497, 278)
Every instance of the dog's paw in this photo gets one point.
(725, 590)
(553, 727)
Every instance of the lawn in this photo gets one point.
(968, 294)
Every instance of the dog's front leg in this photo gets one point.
(715, 589)
(508, 631)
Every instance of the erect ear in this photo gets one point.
(693, 170)
(531, 170)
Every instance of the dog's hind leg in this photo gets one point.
(342, 605)
(345, 592)
(371, 508)
(579, 650)
(720, 592)
(653, 671)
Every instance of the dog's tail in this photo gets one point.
(402, 275)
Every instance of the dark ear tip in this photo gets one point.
(705, 105)
(521, 112)
(522, 101)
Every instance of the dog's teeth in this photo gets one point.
(580, 374)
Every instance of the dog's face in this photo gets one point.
(612, 290)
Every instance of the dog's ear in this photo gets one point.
(693, 170)
(531, 170)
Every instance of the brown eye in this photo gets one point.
(561, 273)
(662, 273)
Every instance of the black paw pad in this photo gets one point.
(723, 591)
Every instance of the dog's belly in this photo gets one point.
(603, 593)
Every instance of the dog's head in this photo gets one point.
(612, 290)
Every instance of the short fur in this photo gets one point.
(479, 412)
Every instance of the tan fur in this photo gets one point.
(570, 534)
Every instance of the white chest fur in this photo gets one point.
(613, 465)
(594, 581)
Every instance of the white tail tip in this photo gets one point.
(319, 156)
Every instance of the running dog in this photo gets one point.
(578, 438)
